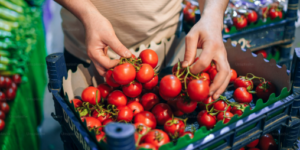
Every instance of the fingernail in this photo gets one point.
(211, 93)
(184, 64)
(217, 96)
(127, 54)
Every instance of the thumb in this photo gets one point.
(118, 47)
(190, 50)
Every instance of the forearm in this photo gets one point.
(213, 9)
(84, 10)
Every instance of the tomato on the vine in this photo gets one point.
(205, 77)
(240, 22)
(16, 78)
(93, 123)
(251, 16)
(100, 114)
(125, 114)
(205, 119)
(208, 101)
(170, 86)
(185, 106)
(7, 82)
(221, 106)
(147, 146)
(107, 121)
(117, 98)
(253, 143)
(133, 89)
(150, 57)
(157, 138)
(147, 118)
(274, 13)
(212, 74)
(267, 142)
(149, 100)
(10, 94)
(140, 128)
(243, 82)
(104, 89)
(124, 74)
(264, 90)
(228, 116)
(2, 82)
(14, 86)
(191, 134)
(89, 95)
(100, 136)
(110, 80)
(239, 109)
(162, 112)
(241, 95)
(2, 124)
(145, 73)
(136, 107)
(76, 102)
(4, 107)
(263, 52)
(198, 90)
(2, 115)
(233, 75)
(174, 127)
(151, 84)
(2, 97)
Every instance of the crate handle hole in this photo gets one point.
(53, 56)
(119, 129)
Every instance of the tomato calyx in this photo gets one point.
(112, 110)
(138, 130)
(85, 109)
(175, 121)
(158, 136)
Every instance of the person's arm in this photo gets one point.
(99, 34)
(207, 34)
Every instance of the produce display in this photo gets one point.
(18, 39)
(266, 142)
(162, 109)
(242, 14)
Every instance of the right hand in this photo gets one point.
(99, 35)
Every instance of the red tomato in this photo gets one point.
(267, 142)
(124, 74)
(239, 109)
(2, 115)
(10, 94)
(274, 13)
(110, 80)
(2, 97)
(7, 82)
(140, 128)
(117, 98)
(264, 90)
(162, 113)
(125, 114)
(157, 138)
(100, 136)
(228, 116)
(147, 146)
(136, 107)
(185, 107)
(149, 100)
(253, 143)
(175, 110)
(150, 57)
(188, 133)
(4, 107)
(107, 121)
(241, 95)
(178, 113)
(212, 74)
(240, 22)
(263, 52)
(242, 148)
(145, 74)
(104, 89)
(198, 90)
(14, 86)
(174, 126)
(205, 119)
(2, 82)
(205, 77)
(76, 102)
(174, 71)
(147, 118)
(189, 15)
(92, 122)
(233, 75)
(100, 114)
(2, 124)
(220, 106)
(170, 86)
(151, 84)
(208, 67)
(133, 89)
(202, 105)
(89, 95)
(136, 99)
(243, 82)
(251, 16)
(16, 78)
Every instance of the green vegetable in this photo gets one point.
(8, 14)
(4, 53)
(5, 34)
(3, 67)
(11, 6)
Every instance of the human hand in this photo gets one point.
(99, 35)
(207, 34)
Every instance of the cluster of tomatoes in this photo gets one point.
(8, 89)
(189, 12)
(266, 142)
(242, 20)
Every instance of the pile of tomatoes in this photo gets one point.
(159, 113)
(189, 12)
(8, 89)
(266, 142)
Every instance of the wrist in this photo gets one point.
(215, 22)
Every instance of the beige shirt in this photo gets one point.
(135, 22)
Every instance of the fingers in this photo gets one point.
(191, 41)
(205, 58)
(100, 59)
(222, 88)
(114, 43)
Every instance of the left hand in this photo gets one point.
(207, 34)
